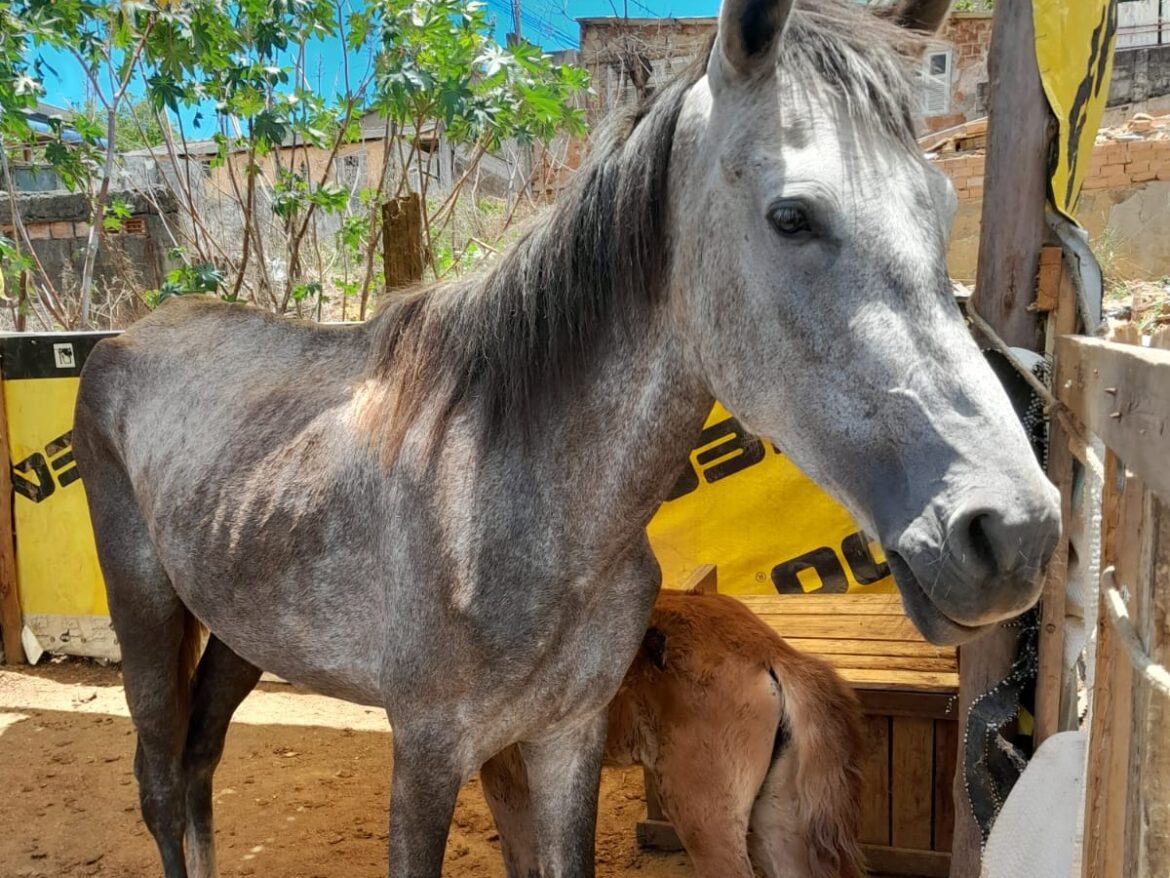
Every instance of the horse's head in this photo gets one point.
(810, 280)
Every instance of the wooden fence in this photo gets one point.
(1120, 394)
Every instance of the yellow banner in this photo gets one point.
(56, 560)
(746, 508)
(1074, 48)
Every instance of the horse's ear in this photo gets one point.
(922, 15)
(654, 645)
(748, 33)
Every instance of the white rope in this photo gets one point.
(1155, 674)
(1077, 443)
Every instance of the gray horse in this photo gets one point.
(442, 511)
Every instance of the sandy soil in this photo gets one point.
(301, 792)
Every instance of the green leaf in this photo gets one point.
(300, 292)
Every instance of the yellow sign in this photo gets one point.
(56, 561)
(1074, 48)
(745, 507)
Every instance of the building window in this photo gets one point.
(936, 83)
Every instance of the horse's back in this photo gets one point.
(202, 347)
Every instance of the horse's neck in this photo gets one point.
(622, 438)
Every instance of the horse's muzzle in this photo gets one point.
(987, 567)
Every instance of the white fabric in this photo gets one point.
(1035, 834)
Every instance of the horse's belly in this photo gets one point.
(322, 634)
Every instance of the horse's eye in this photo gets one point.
(790, 220)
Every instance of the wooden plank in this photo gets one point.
(1154, 778)
(1132, 574)
(904, 648)
(1108, 744)
(11, 620)
(930, 681)
(911, 784)
(842, 627)
(653, 803)
(402, 244)
(813, 605)
(703, 580)
(657, 835)
(946, 755)
(983, 663)
(895, 702)
(902, 862)
(1048, 279)
(875, 781)
(893, 663)
(1122, 394)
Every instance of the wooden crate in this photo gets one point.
(909, 692)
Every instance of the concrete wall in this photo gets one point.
(632, 57)
(1137, 23)
(627, 58)
(1139, 75)
(58, 227)
(1125, 206)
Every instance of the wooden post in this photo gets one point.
(1056, 288)
(402, 250)
(11, 621)
(1015, 189)
(1015, 178)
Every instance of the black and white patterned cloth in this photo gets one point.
(994, 753)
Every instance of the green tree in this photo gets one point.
(139, 125)
(435, 68)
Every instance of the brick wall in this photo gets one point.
(1113, 165)
(969, 33)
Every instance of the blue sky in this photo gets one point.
(549, 23)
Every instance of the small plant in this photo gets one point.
(187, 280)
(115, 212)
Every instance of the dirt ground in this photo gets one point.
(301, 792)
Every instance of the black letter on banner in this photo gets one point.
(36, 491)
(732, 437)
(866, 569)
(823, 561)
(66, 469)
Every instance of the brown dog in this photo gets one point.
(754, 747)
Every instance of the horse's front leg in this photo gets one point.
(564, 773)
(429, 770)
(505, 787)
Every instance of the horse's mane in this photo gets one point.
(509, 336)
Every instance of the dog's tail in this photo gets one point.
(811, 795)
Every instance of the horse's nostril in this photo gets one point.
(979, 541)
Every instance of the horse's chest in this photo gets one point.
(569, 660)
